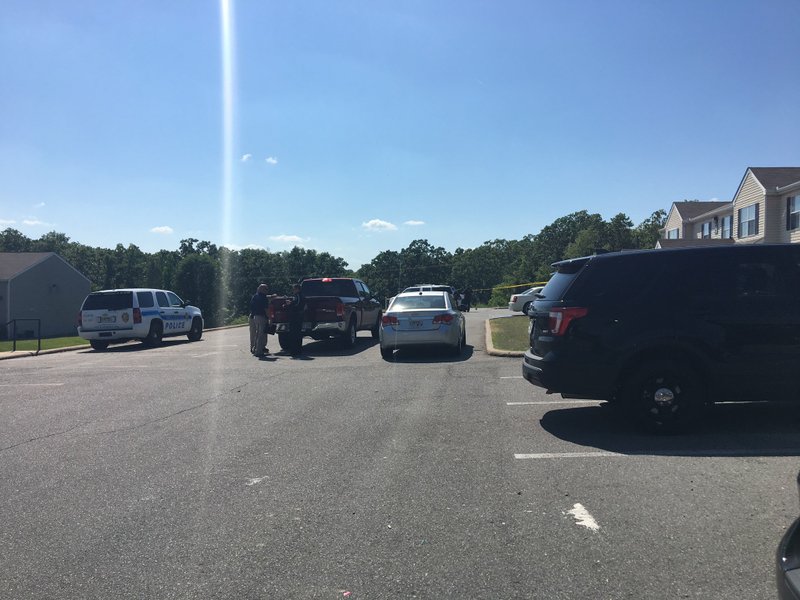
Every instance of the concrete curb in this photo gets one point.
(490, 349)
(24, 353)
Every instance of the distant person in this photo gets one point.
(259, 320)
(467, 297)
(296, 307)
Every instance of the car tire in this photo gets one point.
(98, 345)
(349, 337)
(155, 335)
(376, 331)
(664, 395)
(525, 308)
(387, 353)
(196, 332)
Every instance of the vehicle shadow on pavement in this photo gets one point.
(751, 429)
(334, 347)
(137, 346)
(430, 355)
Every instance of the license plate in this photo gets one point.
(108, 319)
(415, 324)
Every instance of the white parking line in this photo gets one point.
(552, 402)
(699, 452)
(30, 384)
(545, 455)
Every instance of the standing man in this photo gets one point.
(259, 304)
(296, 306)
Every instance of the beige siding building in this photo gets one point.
(765, 209)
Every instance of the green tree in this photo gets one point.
(550, 244)
(52, 241)
(197, 281)
(12, 240)
(648, 232)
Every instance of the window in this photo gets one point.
(748, 221)
(706, 230)
(726, 227)
(145, 299)
(673, 234)
(793, 213)
(174, 301)
(162, 299)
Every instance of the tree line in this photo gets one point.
(221, 281)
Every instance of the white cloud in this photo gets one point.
(40, 205)
(414, 223)
(378, 225)
(287, 239)
(236, 247)
(246, 157)
(35, 223)
(271, 160)
(7, 222)
(164, 229)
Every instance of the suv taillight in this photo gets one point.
(137, 315)
(558, 319)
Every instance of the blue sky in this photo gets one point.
(361, 126)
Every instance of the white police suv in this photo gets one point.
(137, 313)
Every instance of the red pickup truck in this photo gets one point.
(335, 307)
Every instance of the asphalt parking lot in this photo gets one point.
(195, 471)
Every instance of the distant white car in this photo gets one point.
(522, 301)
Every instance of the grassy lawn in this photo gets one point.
(510, 333)
(48, 344)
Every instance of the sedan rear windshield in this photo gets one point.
(418, 303)
(109, 301)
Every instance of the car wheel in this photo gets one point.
(376, 331)
(98, 344)
(525, 308)
(196, 332)
(284, 341)
(664, 395)
(155, 334)
(349, 338)
(387, 353)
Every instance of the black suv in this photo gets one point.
(665, 333)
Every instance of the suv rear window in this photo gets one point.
(145, 299)
(109, 301)
(565, 274)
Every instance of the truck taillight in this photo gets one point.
(445, 318)
(558, 319)
(389, 320)
(340, 310)
(137, 315)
